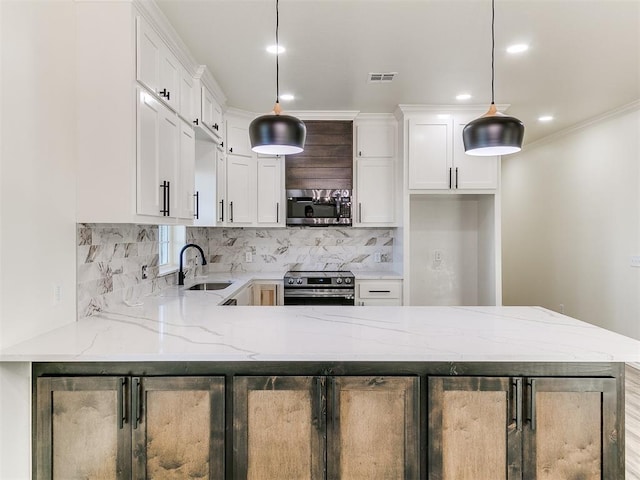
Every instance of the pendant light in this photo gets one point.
(493, 133)
(277, 134)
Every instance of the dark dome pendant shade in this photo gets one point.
(493, 133)
(276, 134)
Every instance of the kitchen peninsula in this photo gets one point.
(336, 384)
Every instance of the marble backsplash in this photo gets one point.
(110, 256)
(299, 248)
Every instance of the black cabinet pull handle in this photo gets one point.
(532, 403)
(222, 210)
(231, 150)
(277, 212)
(165, 93)
(456, 178)
(122, 403)
(221, 144)
(450, 179)
(360, 153)
(136, 402)
(517, 400)
(196, 215)
(215, 126)
(231, 212)
(168, 199)
(165, 195)
(379, 291)
(196, 122)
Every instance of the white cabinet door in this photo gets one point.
(222, 204)
(169, 84)
(375, 140)
(187, 96)
(148, 55)
(375, 187)
(238, 138)
(241, 189)
(430, 153)
(211, 112)
(270, 192)
(148, 190)
(156, 67)
(169, 154)
(187, 198)
(472, 173)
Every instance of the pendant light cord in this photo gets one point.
(277, 55)
(493, 47)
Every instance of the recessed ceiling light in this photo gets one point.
(275, 49)
(286, 97)
(518, 48)
(463, 96)
(545, 118)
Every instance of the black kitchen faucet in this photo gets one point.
(180, 272)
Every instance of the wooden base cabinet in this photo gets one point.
(130, 427)
(326, 427)
(522, 428)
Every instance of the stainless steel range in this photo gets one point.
(319, 288)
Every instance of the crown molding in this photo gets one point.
(616, 112)
(404, 109)
(346, 115)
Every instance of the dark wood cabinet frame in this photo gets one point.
(329, 368)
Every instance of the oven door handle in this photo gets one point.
(300, 293)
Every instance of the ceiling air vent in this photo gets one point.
(381, 77)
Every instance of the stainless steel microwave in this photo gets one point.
(318, 207)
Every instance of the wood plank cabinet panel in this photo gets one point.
(373, 428)
(180, 433)
(468, 434)
(277, 428)
(80, 429)
(572, 429)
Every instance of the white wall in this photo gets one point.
(571, 221)
(37, 165)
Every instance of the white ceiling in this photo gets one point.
(584, 56)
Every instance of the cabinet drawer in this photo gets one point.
(378, 289)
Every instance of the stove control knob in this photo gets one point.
(299, 281)
(347, 281)
(339, 281)
(290, 282)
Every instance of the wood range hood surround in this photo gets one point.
(327, 160)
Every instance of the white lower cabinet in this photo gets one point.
(244, 297)
(378, 293)
(268, 294)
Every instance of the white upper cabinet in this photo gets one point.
(375, 166)
(156, 67)
(158, 157)
(238, 143)
(187, 96)
(437, 160)
(270, 202)
(211, 113)
(375, 181)
(375, 140)
(472, 172)
(188, 201)
(241, 190)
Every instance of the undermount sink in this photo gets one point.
(210, 286)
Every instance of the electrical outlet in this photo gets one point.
(635, 260)
(437, 258)
(377, 257)
(144, 272)
(248, 257)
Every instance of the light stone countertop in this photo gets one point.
(182, 325)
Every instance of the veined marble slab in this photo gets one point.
(184, 325)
